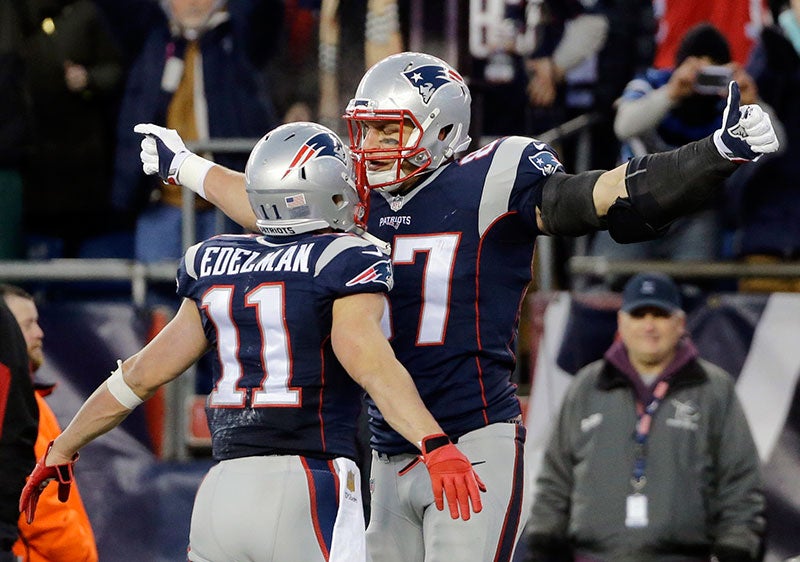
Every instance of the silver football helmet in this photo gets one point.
(419, 90)
(299, 178)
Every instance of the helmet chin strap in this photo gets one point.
(384, 247)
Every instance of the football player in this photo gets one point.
(462, 232)
(294, 315)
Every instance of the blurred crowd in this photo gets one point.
(77, 75)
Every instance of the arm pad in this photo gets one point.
(568, 206)
(626, 225)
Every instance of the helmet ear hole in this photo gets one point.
(444, 131)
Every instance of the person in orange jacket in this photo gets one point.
(61, 532)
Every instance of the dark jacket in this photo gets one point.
(767, 194)
(67, 177)
(19, 417)
(14, 121)
(237, 97)
(702, 469)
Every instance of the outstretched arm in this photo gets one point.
(169, 354)
(225, 189)
(638, 200)
(164, 153)
(363, 350)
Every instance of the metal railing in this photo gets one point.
(603, 267)
(142, 275)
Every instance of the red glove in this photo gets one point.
(451, 473)
(40, 478)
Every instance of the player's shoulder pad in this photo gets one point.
(343, 242)
(509, 151)
(189, 259)
(542, 157)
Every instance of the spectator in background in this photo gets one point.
(62, 532)
(72, 78)
(767, 197)
(581, 28)
(627, 51)
(18, 423)
(522, 51)
(197, 71)
(664, 109)
(353, 34)
(292, 74)
(651, 458)
(740, 21)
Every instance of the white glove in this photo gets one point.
(758, 129)
(746, 131)
(164, 153)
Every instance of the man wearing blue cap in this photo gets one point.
(651, 459)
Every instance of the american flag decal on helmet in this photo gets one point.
(380, 272)
(320, 145)
(429, 78)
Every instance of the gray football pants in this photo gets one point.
(405, 525)
(279, 509)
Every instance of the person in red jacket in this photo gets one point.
(740, 21)
(62, 531)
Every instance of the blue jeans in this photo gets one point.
(159, 237)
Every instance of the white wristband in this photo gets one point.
(192, 173)
(120, 390)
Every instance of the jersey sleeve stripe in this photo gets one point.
(502, 175)
(188, 260)
(335, 248)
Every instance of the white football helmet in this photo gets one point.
(417, 89)
(299, 178)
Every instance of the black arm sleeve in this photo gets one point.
(667, 185)
(19, 423)
(568, 205)
(661, 187)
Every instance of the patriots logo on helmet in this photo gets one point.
(546, 162)
(429, 78)
(380, 272)
(322, 144)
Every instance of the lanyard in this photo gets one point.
(643, 425)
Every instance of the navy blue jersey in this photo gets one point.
(462, 247)
(266, 306)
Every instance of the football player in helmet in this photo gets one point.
(425, 104)
(295, 318)
(462, 232)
